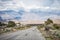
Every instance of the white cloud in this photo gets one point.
(44, 5)
(51, 17)
(29, 4)
(6, 16)
(10, 15)
(30, 16)
(14, 5)
(35, 16)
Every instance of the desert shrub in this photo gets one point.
(49, 21)
(2, 24)
(58, 34)
(11, 24)
(56, 26)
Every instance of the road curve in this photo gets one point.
(28, 34)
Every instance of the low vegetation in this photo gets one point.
(12, 26)
(50, 30)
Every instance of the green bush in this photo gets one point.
(49, 21)
(56, 26)
(58, 34)
(2, 24)
(11, 24)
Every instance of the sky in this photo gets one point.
(25, 10)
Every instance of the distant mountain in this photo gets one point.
(32, 22)
(56, 21)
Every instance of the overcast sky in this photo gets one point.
(30, 9)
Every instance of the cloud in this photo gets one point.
(39, 16)
(6, 16)
(8, 5)
(29, 4)
(45, 6)
(30, 16)
(10, 14)
(51, 17)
